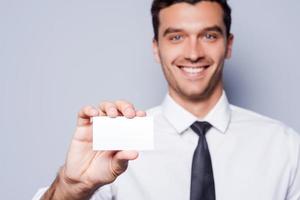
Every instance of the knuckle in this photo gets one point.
(87, 107)
(117, 170)
(110, 107)
(123, 103)
(84, 109)
(105, 105)
(102, 103)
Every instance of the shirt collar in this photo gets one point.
(219, 116)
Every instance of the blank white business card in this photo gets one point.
(122, 133)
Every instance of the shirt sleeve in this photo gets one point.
(294, 187)
(103, 193)
(40, 193)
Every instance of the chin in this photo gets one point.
(196, 96)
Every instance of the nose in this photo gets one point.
(194, 50)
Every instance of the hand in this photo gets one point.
(86, 170)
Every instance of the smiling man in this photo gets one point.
(205, 148)
(191, 44)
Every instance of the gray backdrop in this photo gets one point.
(56, 56)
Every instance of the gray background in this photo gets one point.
(56, 56)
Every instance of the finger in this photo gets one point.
(85, 114)
(109, 109)
(126, 108)
(126, 155)
(120, 160)
(140, 113)
(101, 113)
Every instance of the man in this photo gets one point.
(204, 148)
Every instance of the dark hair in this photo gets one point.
(158, 5)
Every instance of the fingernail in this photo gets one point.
(129, 112)
(112, 111)
(94, 112)
(141, 113)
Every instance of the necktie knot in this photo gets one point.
(201, 128)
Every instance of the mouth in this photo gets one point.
(193, 71)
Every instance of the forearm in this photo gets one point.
(61, 189)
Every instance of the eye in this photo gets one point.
(176, 38)
(210, 36)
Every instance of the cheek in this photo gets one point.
(216, 52)
(170, 53)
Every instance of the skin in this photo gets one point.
(193, 35)
(189, 35)
(86, 170)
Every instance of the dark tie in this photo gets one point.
(202, 181)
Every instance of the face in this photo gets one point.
(192, 46)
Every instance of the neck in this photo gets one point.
(202, 107)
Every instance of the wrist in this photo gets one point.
(72, 190)
(67, 189)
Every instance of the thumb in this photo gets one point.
(120, 160)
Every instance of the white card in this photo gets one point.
(122, 133)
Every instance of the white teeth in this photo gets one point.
(193, 70)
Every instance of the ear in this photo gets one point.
(155, 50)
(229, 46)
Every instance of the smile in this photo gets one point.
(193, 71)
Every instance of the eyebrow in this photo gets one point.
(172, 30)
(215, 28)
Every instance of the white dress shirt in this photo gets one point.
(253, 157)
